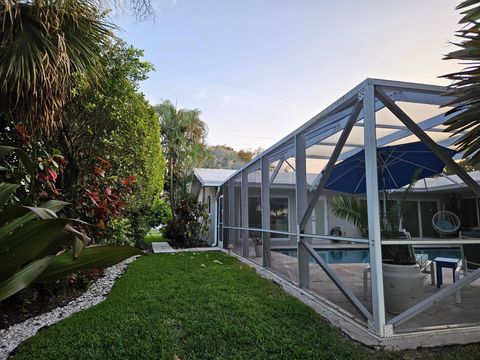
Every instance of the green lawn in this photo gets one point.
(202, 306)
(154, 236)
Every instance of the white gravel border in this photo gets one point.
(11, 337)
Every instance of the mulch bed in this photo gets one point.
(42, 298)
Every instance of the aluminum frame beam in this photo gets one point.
(425, 125)
(276, 170)
(331, 163)
(356, 303)
(265, 208)
(341, 104)
(421, 98)
(328, 129)
(301, 206)
(290, 165)
(231, 212)
(398, 127)
(435, 298)
(431, 144)
(244, 202)
(374, 236)
(304, 235)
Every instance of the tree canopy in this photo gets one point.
(42, 45)
(466, 83)
(183, 141)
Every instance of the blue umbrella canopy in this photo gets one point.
(397, 166)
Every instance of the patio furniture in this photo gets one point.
(443, 262)
(471, 251)
(445, 222)
(451, 263)
(426, 266)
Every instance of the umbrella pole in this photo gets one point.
(384, 203)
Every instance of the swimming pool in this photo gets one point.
(359, 256)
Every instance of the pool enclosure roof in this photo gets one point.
(376, 113)
(424, 104)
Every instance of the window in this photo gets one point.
(254, 215)
(209, 204)
(410, 218)
(278, 215)
(468, 212)
(427, 210)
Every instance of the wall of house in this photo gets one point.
(347, 227)
(441, 199)
(203, 196)
(277, 192)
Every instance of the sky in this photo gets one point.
(259, 69)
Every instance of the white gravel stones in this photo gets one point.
(11, 337)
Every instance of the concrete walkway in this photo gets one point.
(165, 248)
(162, 247)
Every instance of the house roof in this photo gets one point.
(444, 182)
(216, 177)
(212, 177)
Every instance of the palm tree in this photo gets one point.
(43, 44)
(466, 83)
(183, 141)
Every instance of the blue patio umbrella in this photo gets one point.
(397, 165)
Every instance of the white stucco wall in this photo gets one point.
(203, 199)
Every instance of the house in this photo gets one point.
(205, 187)
(426, 198)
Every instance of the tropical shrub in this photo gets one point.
(189, 224)
(50, 166)
(353, 209)
(101, 200)
(120, 232)
(112, 143)
(161, 214)
(37, 245)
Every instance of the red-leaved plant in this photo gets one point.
(102, 199)
(49, 167)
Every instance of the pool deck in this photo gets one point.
(445, 312)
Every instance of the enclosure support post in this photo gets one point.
(301, 202)
(231, 212)
(244, 202)
(374, 235)
(226, 214)
(265, 206)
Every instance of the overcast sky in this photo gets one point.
(258, 69)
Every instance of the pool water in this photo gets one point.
(358, 256)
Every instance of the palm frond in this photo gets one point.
(351, 209)
(466, 83)
(42, 45)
